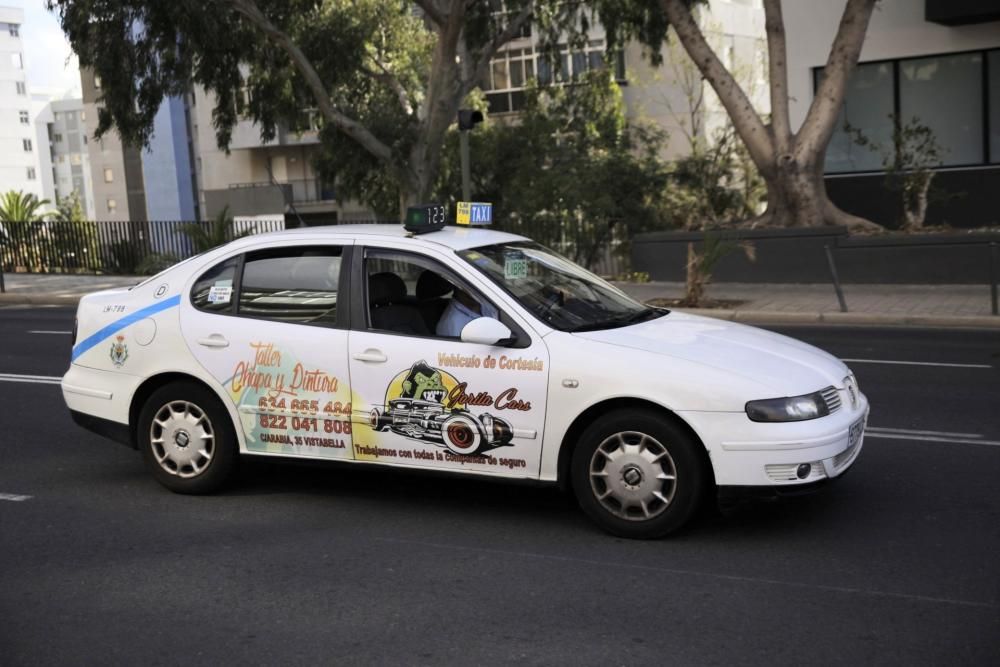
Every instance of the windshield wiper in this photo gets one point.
(620, 321)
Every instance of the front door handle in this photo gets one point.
(372, 356)
(215, 340)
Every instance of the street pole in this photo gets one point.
(993, 277)
(463, 145)
(467, 119)
(836, 279)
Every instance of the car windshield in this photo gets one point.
(555, 290)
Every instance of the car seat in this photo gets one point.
(388, 306)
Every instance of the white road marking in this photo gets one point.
(41, 331)
(916, 363)
(909, 431)
(13, 497)
(34, 379)
(931, 438)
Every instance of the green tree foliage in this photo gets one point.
(569, 167)
(72, 240)
(386, 77)
(19, 206)
(22, 219)
(909, 158)
(207, 235)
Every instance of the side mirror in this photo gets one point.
(486, 331)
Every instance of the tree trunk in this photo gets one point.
(915, 197)
(694, 287)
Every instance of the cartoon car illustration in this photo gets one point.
(459, 430)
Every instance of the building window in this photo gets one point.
(513, 69)
(868, 106)
(21, 88)
(946, 94)
(31, 173)
(112, 206)
(957, 96)
(109, 175)
(24, 117)
(14, 29)
(17, 60)
(56, 137)
(27, 145)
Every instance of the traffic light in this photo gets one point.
(468, 118)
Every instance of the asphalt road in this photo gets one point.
(897, 563)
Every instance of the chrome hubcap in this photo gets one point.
(633, 476)
(182, 439)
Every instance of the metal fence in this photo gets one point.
(145, 247)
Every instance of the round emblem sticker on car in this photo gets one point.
(161, 290)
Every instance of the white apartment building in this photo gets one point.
(936, 61)
(62, 126)
(19, 150)
(672, 96)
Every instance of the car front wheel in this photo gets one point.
(187, 438)
(638, 475)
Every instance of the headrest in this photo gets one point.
(385, 288)
(430, 285)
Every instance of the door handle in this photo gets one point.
(215, 340)
(371, 355)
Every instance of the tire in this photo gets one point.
(616, 467)
(187, 414)
(461, 435)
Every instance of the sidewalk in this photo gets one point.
(923, 305)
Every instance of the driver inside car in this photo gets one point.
(461, 310)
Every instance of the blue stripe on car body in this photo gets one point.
(123, 322)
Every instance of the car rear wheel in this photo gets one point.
(638, 475)
(187, 438)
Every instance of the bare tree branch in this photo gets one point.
(818, 127)
(385, 76)
(777, 62)
(745, 119)
(483, 56)
(249, 10)
(432, 11)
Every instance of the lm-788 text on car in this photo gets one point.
(467, 350)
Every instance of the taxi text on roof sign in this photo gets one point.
(474, 213)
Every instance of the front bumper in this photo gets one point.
(751, 454)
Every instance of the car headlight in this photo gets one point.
(789, 409)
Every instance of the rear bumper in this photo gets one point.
(120, 433)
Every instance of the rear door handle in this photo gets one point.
(371, 355)
(215, 340)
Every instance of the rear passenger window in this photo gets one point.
(297, 284)
(213, 292)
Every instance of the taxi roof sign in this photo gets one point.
(425, 218)
(474, 213)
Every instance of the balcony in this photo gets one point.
(298, 191)
(961, 12)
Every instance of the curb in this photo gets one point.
(863, 319)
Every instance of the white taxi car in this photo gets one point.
(465, 350)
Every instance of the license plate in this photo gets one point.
(854, 435)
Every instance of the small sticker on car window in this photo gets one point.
(221, 291)
(515, 268)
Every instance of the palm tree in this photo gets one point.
(20, 223)
(218, 231)
(18, 206)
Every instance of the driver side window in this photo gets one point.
(412, 295)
